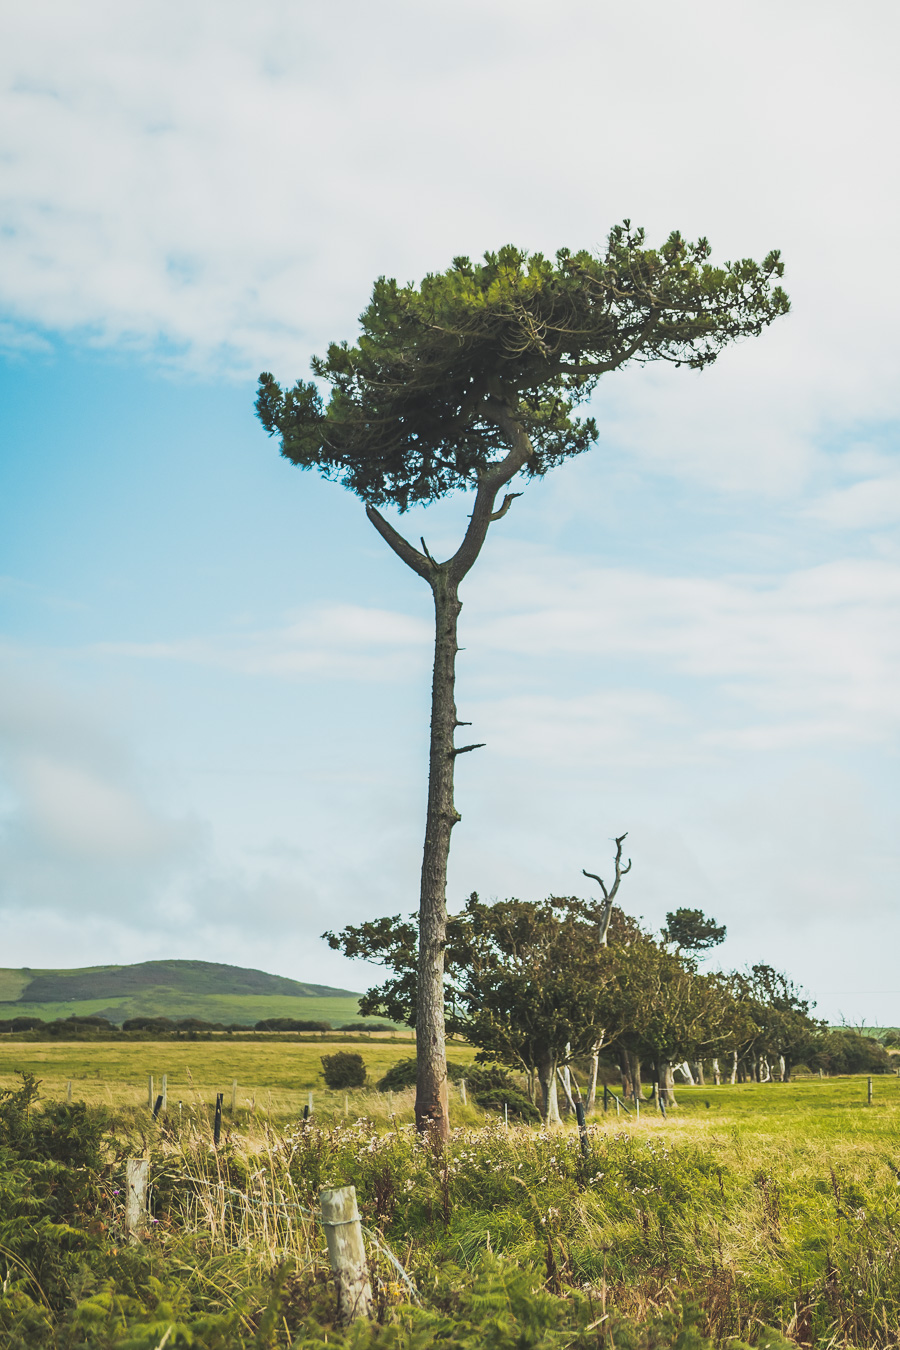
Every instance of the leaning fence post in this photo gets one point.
(462, 1090)
(137, 1177)
(343, 1231)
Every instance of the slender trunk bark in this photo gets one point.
(592, 1089)
(625, 1073)
(549, 1099)
(734, 1067)
(634, 1072)
(444, 579)
(685, 1070)
(782, 1071)
(431, 1082)
(717, 1076)
(698, 1073)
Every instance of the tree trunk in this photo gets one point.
(431, 1081)
(592, 1089)
(697, 1069)
(717, 1076)
(665, 1083)
(626, 1064)
(549, 1100)
(634, 1072)
(685, 1070)
(734, 1067)
(782, 1071)
(444, 579)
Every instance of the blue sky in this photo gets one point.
(213, 708)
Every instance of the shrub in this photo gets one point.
(367, 1026)
(289, 1024)
(845, 1051)
(403, 1075)
(344, 1070)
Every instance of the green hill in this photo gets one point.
(217, 993)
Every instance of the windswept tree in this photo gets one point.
(468, 382)
(526, 983)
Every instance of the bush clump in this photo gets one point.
(290, 1024)
(488, 1085)
(344, 1069)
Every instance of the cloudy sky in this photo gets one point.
(214, 675)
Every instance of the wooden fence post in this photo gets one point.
(137, 1177)
(165, 1091)
(343, 1231)
(233, 1095)
(69, 1092)
(217, 1123)
(462, 1091)
(870, 1092)
(150, 1091)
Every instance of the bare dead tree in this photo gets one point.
(609, 897)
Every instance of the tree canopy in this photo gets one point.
(426, 400)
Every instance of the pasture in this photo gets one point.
(759, 1206)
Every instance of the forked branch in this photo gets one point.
(610, 895)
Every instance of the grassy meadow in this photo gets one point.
(754, 1215)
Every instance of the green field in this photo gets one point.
(225, 1008)
(275, 1076)
(174, 989)
(755, 1206)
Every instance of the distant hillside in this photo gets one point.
(218, 993)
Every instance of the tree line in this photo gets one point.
(555, 987)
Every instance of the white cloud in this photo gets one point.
(79, 831)
(337, 641)
(816, 651)
(868, 504)
(224, 184)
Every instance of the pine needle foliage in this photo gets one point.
(417, 407)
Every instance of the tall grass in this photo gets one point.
(763, 1207)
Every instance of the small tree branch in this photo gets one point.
(490, 482)
(419, 562)
(610, 895)
(425, 551)
(593, 876)
(507, 503)
(464, 749)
